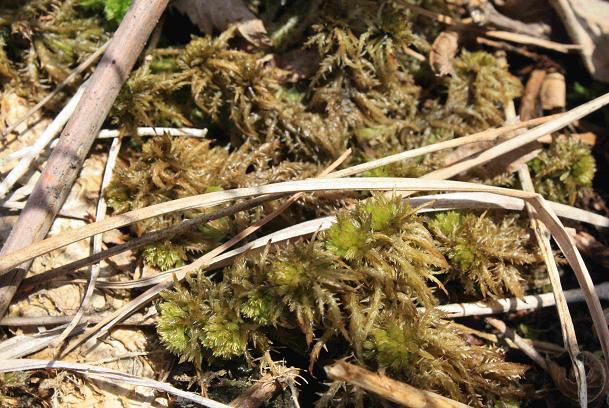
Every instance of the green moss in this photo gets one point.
(114, 10)
(564, 171)
(164, 255)
(480, 88)
(430, 354)
(361, 301)
(47, 41)
(485, 256)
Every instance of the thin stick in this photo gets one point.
(566, 323)
(484, 136)
(507, 305)
(519, 341)
(390, 389)
(25, 321)
(529, 40)
(150, 237)
(112, 133)
(107, 374)
(77, 71)
(521, 140)
(43, 140)
(76, 139)
(100, 214)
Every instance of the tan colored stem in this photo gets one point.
(398, 392)
(75, 141)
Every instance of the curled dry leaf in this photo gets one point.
(443, 51)
(553, 92)
(529, 106)
(210, 14)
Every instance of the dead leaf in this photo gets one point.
(443, 51)
(529, 103)
(553, 92)
(219, 14)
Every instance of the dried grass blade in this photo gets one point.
(100, 214)
(200, 263)
(19, 256)
(566, 323)
(521, 140)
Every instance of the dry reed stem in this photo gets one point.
(390, 389)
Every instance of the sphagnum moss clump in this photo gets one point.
(485, 255)
(51, 38)
(356, 285)
(564, 171)
(168, 168)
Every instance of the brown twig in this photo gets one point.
(387, 388)
(519, 341)
(75, 141)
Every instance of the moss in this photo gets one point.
(479, 89)
(164, 255)
(564, 171)
(150, 99)
(48, 39)
(358, 293)
(114, 10)
(485, 256)
(430, 354)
